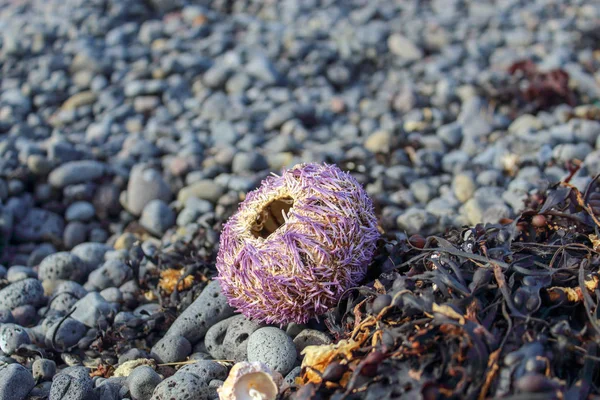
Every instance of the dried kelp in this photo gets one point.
(507, 309)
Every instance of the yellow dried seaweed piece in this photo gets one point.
(170, 277)
(319, 357)
(125, 369)
(595, 242)
(448, 312)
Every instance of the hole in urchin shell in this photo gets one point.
(271, 217)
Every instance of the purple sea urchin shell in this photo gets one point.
(296, 244)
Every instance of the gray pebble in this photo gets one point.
(133, 354)
(403, 47)
(416, 220)
(12, 336)
(310, 337)
(27, 291)
(75, 233)
(6, 316)
(205, 189)
(15, 382)
(112, 273)
(142, 381)
(208, 309)
(181, 386)
(273, 347)
(157, 217)
(39, 225)
(80, 211)
(20, 272)
(39, 253)
(228, 339)
(90, 308)
(43, 369)
(75, 172)
(63, 265)
(25, 315)
(73, 383)
(171, 349)
(145, 184)
(206, 370)
(248, 162)
(91, 253)
(112, 295)
(65, 334)
(261, 68)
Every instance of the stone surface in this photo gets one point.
(15, 382)
(273, 347)
(208, 309)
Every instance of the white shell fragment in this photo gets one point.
(251, 381)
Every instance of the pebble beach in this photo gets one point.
(130, 131)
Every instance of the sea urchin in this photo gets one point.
(296, 244)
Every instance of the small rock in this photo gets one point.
(78, 100)
(43, 369)
(145, 184)
(20, 272)
(106, 200)
(464, 187)
(261, 68)
(73, 383)
(228, 339)
(75, 233)
(63, 265)
(310, 337)
(273, 347)
(91, 253)
(75, 172)
(157, 217)
(142, 381)
(171, 349)
(40, 225)
(112, 295)
(379, 142)
(205, 189)
(25, 315)
(113, 273)
(80, 211)
(27, 291)
(248, 162)
(416, 220)
(208, 309)
(12, 336)
(90, 308)
(65, 334)
(403, 47)
(181, 386)
(15, 382)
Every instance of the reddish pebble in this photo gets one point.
(539, 221)
(417, 240)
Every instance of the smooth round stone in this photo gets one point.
(172, 349)
(142, 381)
(80, 211)
(157, 217)
(12, 336)
(273, 347)
(145, 185)
(43, 369)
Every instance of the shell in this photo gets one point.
(251, 381)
